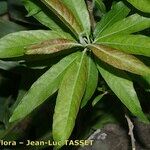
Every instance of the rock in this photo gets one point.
(142, 133)
(111, 137)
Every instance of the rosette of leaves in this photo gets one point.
(111, 48)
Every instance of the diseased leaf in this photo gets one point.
(92, 80)
(43, 88)
(69, 98)
(36, 10)
(64, 14)
(134, 44)
(128, 25)
(143, 5)
(120, 59)
(14, 44)
(51, 46)
(79, 9)
(122, 86)
(118, 12)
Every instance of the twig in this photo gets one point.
(131, 127)
(90, 9)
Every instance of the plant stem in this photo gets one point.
(131, 127)
(90, 8)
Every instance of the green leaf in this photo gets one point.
(97, 99)
(69, 98)
(92, 80)
(147, 79)
(123, 87)
(43, 88)
(128, 25)
(100, 5)
(134, 44)
(17, 12)
(118, 12)
(7, 27)
(4, 110)
(36, 10)
(64, 14)
(120, 59)
(143, 5)
(14, 44)
(147, 85)
(52, 46)
(3, 7)
(79, 9)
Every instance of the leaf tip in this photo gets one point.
(15, 117)
(12, 119)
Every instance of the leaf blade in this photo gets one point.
(118, 12)
(7, 27)
(92, 80)
(64, 14)
(133, 44)
(122, 86)
(14, 44)
(35, 9)
(68, 100)
(52, 46)
(46, 85)
(80, 11)
(100, 5)
(131, 24)
(120, 59)
(3, 9)
(97, 99)
(143, 5)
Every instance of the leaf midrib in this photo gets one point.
(24, 45)
(110, 43)
(131, 97)
(74, 88)
(88, 77)
(89, 69)
(23, 36)
(64, 44)
(110, 54)
(118, 31)
(59, 74)
(63, 70)
(109, 22)
(63, 20)
(77, 15)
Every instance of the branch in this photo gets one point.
(131, 127)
